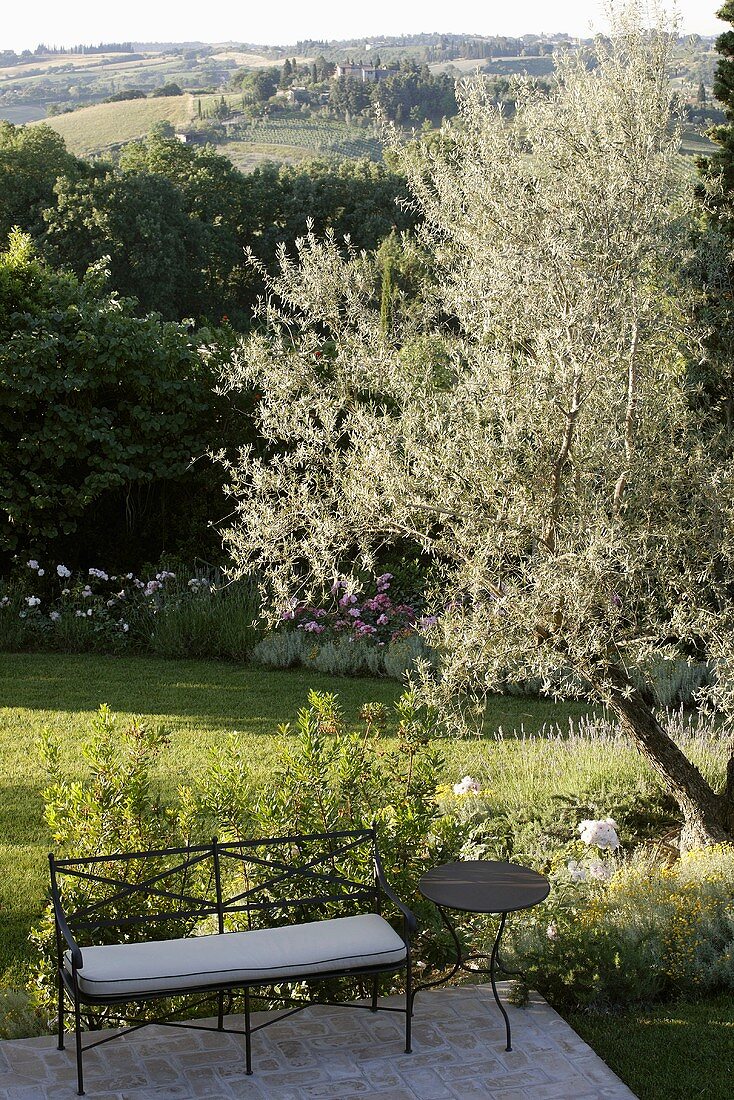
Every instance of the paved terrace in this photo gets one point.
(332, 1053)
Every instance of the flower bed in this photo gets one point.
(166, 612)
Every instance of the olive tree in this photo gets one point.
(535, 426)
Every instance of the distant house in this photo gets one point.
(368, 74)
(298, 95)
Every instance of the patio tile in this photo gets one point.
(332, 1053)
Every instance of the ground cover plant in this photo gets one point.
(670, 1052)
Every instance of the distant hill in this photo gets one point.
(100, 128)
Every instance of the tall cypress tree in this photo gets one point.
(721, 163)
(717, 194)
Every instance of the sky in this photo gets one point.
(283, 22)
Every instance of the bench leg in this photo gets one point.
(78, 1036)
(408, 1006)
(375, 986)
(220, 1015)
(248, 1035)
(61, 1012)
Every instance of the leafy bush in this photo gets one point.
(94, 400)
(325, 778)
(19, 1016)
(116, 809)
(653, 931)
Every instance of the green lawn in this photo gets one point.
(663, 1054)
(199, 702)
(670, 1052)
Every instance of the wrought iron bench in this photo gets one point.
(218, 918)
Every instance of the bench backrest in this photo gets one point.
(264, 881)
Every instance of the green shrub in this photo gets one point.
(217, 622)
(654, 931)
(325, 778)
(19, 1016)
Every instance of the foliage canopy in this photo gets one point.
(545, 446)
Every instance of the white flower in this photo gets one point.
(99, 574)
(32, 601)
(467, 786)
(599, 871)
(41, 572)
(87, 591)
(63, 571)
(576, 871)
(552, 931)
(89, 611)
(54, 616)
(5, 601)
(125, 628)
(601, 833)
(111, 603)
(79, 614)
(65, 591)
(33, 564)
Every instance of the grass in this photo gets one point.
(676, 1052)
(199, 702)
(247, 155)
(695, 143)
(533, 750)
(96, 129)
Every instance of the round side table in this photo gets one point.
(482, 886)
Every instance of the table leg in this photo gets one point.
(460, 964)
(457, 965)
(492, 967)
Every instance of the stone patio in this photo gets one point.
(332, 1053)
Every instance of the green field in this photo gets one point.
(247, 155)
(97, 129)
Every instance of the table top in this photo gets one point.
(484, 886)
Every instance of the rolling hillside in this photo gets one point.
(97, 129)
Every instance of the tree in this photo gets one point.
(139, 221)
(31, 160)
(95, 405)
(546, 446)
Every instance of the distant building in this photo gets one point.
(298, 95)
(368, 74)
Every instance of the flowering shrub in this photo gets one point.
(95, 610)
(638, 930)
(601, 833)
(355, 634)
(376, 618)
(467, 786)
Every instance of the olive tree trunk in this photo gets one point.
(708, 816)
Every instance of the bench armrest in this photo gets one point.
(388, 891)
(76, 954)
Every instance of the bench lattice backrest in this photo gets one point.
(174, 891)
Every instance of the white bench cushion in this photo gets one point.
(345, 943)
